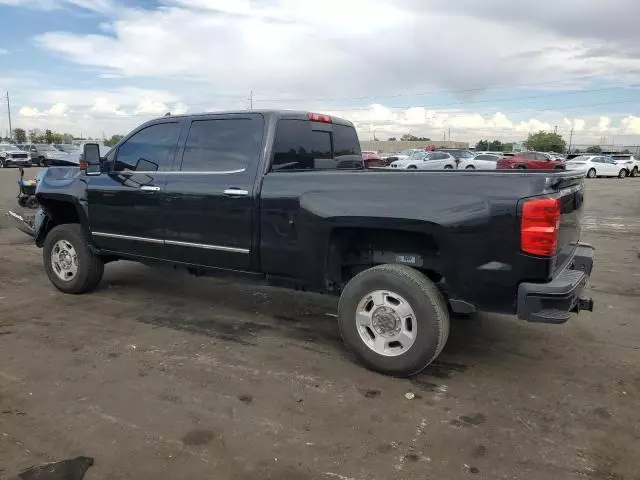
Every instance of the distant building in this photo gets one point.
(391, 146)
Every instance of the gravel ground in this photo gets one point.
(161, 375)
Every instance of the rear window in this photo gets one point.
(304, 145)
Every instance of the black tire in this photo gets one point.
(469, 167)
(90, 265)
(591, 173)
(412, 167)
(521, 167)
(427, 302)
(622, 173)
(2, 164)
(43, 162)
(634, 172)
(22, 201)
(448, 167)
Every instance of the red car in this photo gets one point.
(372, 159)
(532, 160)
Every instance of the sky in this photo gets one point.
(464, 70)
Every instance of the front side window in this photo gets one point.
(148, 150)
(222, 145)
(299, 145)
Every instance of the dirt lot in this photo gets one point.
(159, 375)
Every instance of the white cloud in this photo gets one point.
(604, 125)
(293, 47)
(95, 5)
(631, 125)
(30, 112)
(58, 109)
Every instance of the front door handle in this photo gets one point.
(149, 188)
(236, 192)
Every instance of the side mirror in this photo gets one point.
(90, 159)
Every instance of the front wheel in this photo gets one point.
(521, 167)
(394, 319)
(469, 167)
(622, 173)
(412, 167)
(591, 173)
(2, 163)
(69, 262)
(634, 172)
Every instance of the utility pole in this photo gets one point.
(449, 133)
(570, 140)
(9, 115)
(555, 129)
(251, 100)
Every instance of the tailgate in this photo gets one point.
(571, 191)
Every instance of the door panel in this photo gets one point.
(211, 199)
(126, 206)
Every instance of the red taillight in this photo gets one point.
(319, 117)
(540, 225)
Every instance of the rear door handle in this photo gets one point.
(149, 188)
(236, 192)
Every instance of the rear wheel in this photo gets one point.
(412, 167)
(622, 173)
(469, 167)
(69, 262)
(2, 163)
(591, 173)
(634, 172)
(394, 319)
(448, 167)
(521, 167)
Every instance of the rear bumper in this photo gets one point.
(554, 302)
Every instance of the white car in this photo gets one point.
(403, 155)
(598, 166)
(427, 161)
(482, 161)
(631, 162)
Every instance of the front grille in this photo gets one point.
(19, 155)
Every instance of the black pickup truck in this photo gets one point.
(283, 198)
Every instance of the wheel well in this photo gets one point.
(353, 250)
(58, 213)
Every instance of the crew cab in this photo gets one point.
(282, 198)
(532, 160)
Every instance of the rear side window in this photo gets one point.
(299, 145)
(148, 150)
(222, 145)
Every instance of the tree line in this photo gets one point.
(35, 135)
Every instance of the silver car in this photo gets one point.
(12, 156)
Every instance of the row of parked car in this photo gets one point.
(39, 154)
(455, 159)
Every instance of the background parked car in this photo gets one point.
(11, 155)
(427, 161)
(483, 161)
(531, 160)
(458, 154)
(632, 163)
(403, 155)
(372, 159)
(598, 166)
(42, 154)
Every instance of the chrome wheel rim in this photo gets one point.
(386, 323)
(64, 260)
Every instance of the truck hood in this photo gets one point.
(56, 178)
